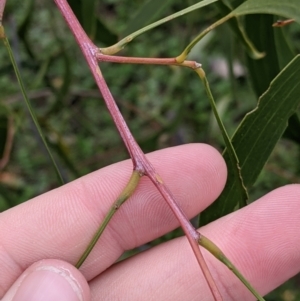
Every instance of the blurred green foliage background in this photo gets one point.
(164, 106)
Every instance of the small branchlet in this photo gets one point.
(125, 194)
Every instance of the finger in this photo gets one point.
(60, 224)
(49, 280)
(262, 240)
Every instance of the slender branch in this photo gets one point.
(215, 250)
(145, 60)
(89, 51)
(191, 233)
(189, 47)
(122, 43)
(229, 147)
(203, 241)
(125, 194)
(140, 163)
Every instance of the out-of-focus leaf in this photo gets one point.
(88, 17)
(233, 3)
(293, 130)
(150, 10)
(24, 26)
(258, 134)
(76, 7)
(283, 48)
(62, 91)
(238, 29)
(121, 44)
(94, 26)
(260, 31)
(105, 35)
(288, 9)
(64, 152)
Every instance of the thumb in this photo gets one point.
(49, 280)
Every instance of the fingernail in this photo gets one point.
(49, 283)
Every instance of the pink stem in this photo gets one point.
(145, 60)
(140, 162)
(2, 6)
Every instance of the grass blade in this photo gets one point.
(27, 101)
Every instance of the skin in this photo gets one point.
(262, 240)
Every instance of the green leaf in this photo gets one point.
(94, 26)
(233, 162)
(104, 34)
(288, 9)
(275, 43)
(147, 13)
(25, 25)
(122, 43)
(260, 31)
(258, 134)
(88, 17)
(236, 26)
(284, 50)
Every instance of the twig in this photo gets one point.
(140, 163)
(145, 61)
(214, 250)
(122, 43)
(125, 194)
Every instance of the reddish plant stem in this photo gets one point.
(140, 162)
(145, 60)
(2, 6)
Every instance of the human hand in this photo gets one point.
(42, 238)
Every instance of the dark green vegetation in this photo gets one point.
(164, 106)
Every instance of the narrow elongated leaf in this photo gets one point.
(284, 50)
(89, 16)
(278, 53)
(259, 29)
(148, 12)
(24, 27)
(233, 162)
(238, 29)
(288, 9)
(258, 134)
(93, 25)
(104, 34)
(121, 44)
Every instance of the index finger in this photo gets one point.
(60, 223)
